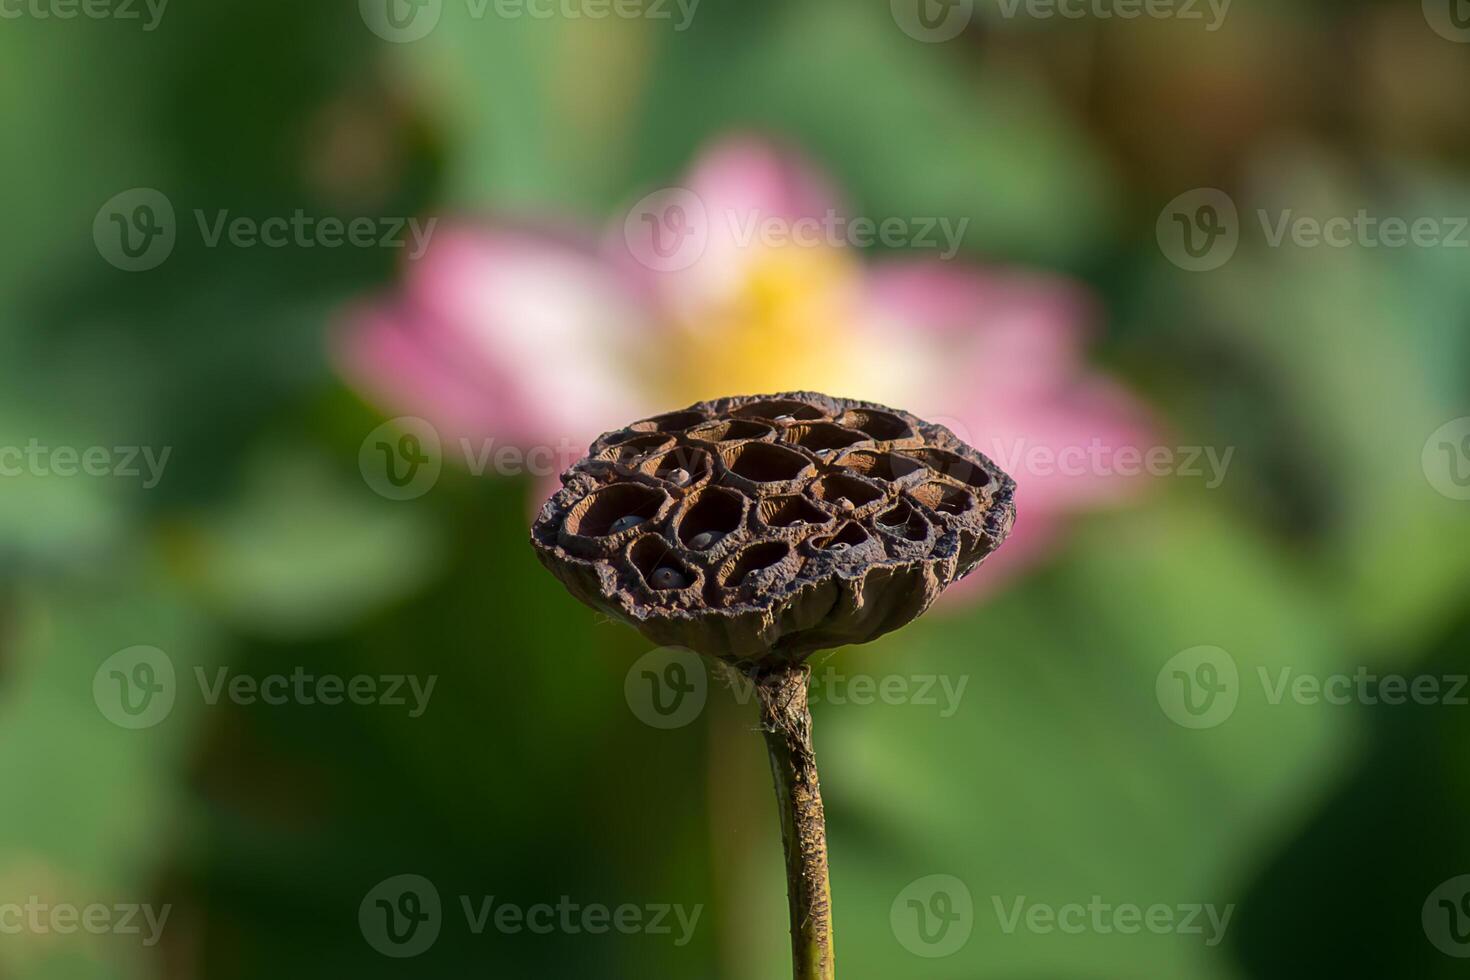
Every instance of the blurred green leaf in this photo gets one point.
(99, 809)
(1355, 340)
(911, 129)
(1061, 778)
(303, 551)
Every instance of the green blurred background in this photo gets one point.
(1060, 778)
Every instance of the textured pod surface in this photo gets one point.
(763, 528)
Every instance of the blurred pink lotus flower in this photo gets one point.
(534, 339)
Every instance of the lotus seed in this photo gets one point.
(623, 523)
(678, 477)
(845, 505)
(785, 419)
(703, 540)
(667, 578)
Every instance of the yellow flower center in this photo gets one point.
(785, 324)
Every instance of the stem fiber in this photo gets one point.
(786, 722)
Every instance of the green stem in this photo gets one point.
(786, 722)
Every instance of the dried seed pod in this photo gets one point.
(801, 522)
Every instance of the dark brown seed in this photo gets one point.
(623, 523)
(703, 540)
(667, 578)
(678, 477)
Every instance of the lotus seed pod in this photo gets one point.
(791, 523)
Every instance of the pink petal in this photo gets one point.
(381, 351)
(735, 189)
(1063, 449)
(1022, 329)
(1004, 367)
(503, 334)
(745, 174)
